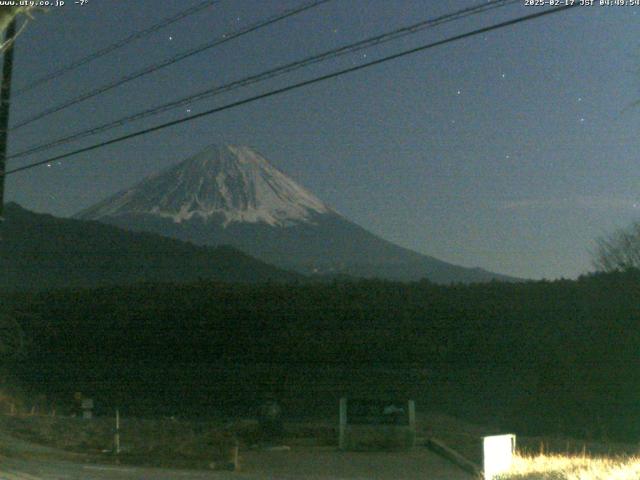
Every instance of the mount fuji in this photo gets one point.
(231, 195)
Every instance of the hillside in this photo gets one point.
(537, 357)
(43, 252)
(232, 195)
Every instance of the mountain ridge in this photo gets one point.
(233, 182)
(232, 195)
(43, 252)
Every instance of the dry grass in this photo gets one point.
(165, 442)
(162, 442)
(563, 467)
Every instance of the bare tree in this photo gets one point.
(7, 15)
(619, 251)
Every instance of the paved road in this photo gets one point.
(299, 463)
(36, 470)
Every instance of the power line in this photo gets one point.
(294, 86)
(283, 69)
(117, 45)
(175, 59)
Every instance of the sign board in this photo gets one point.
(498, 453)
(87, 405)
(377, 412)
(383, 423)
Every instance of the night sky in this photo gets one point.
(511, 151)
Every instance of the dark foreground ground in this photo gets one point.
(26, 457)
(317, 463)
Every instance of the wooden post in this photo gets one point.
(412, 422)
(343, 424)
(235, 456)
(117, 435)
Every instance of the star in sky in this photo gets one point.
(509, 50)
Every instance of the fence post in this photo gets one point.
(343, 424)
(412, 422)
(117, 434)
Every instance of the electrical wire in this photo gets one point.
(171, 61)
(271, 73)
(117, 45)
(294, 86)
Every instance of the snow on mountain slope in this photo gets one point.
(231, 195)
(226, 183)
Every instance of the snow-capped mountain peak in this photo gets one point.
(226, 183)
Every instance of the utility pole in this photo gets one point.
(5, 104)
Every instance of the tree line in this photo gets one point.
(538, 356)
